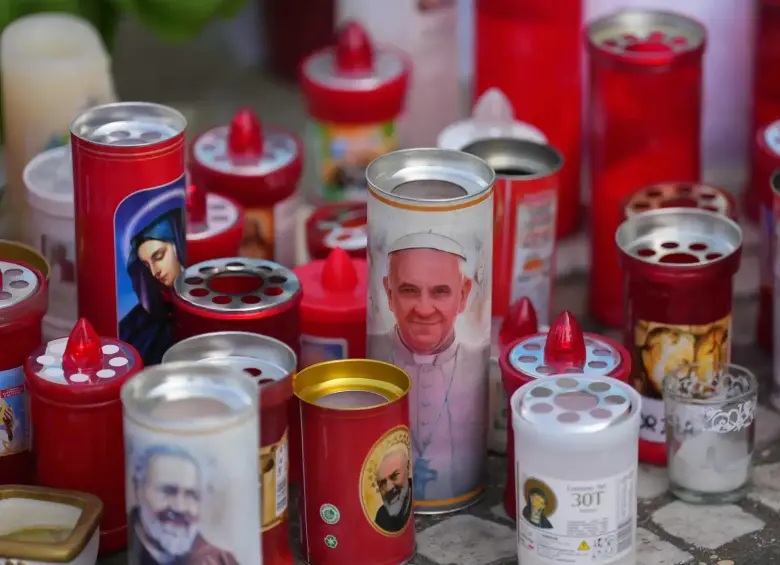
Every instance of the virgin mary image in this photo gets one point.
(153, 262)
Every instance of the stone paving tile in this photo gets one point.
(767, 426)
(652, 481)
(652, 550)
(467, 540)
(706, 526)
(766, 486)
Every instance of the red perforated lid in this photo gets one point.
(334, 289)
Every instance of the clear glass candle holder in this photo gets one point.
(710, 431)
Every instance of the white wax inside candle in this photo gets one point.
(188, 408)
(708, 463)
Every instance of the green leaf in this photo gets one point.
(173, 20)
(229, 8)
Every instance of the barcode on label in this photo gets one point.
(625, 536)
(281, 479)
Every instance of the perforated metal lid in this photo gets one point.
(264, 358)
(221, 215)
(237, 284)
(17, 284)
(211, 150)
(528, 358)
(772, 137)
(679, 195)
(677, 237)
(575, 404)
(128, 123)
(646, 33)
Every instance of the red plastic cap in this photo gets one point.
(245, 138)
(520, 321)
(565, 343)
(354, 52)
(339, 273)
(196, 205)
(83, 351)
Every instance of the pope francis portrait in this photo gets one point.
(427, 288)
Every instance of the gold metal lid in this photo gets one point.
(60, 551)
(375, 383)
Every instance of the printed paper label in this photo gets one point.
(344, 153)
(273, 482)
(269, 233)
(320, 349)
(14, 424)
(766, 246)
(660, 349)
(534, 247)
(575, 522)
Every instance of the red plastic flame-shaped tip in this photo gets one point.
(339, 273)
(245, 138)
(83, 351)
(354, 52)
(196, 205)
(565, 342)
(519, 322)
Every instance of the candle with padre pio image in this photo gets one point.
(430, 218)
(191, 437)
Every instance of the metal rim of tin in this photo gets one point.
(679, 238)
(119, 359)
(210, 150)
(276, 285)
(221, 215)
(575, 403)
(19, 283)
(374, 383)
(527, 357)
(771, 137)
(129, 124)
(430, 178)
(64, 551)
(517, 159)
(21, 253)
(679, 195)
(646, 34)
(388, 66)
(264, 358)
(160, 384)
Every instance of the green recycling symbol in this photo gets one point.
(331, 542)
(329, 514)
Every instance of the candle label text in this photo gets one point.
(576, 522)
(14, 431)
(273, 482)
(660, 349)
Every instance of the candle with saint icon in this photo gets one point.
(576, 439)
(74, 387)
(430, 219)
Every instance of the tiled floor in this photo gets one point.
(671, 532)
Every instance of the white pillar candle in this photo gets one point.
(53, 66)
(576, 448)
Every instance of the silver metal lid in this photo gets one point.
(18, 284)
(189, 397)
(679, 237)
(432, 177)
(772, 137)
(211, 150)
(575, 404)
(518, 159)
(262, 357)
(221, 215)
(321, 70)
(528, 358)
(128, 123)
(642, 33)
(678, 195)
(270, 284)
